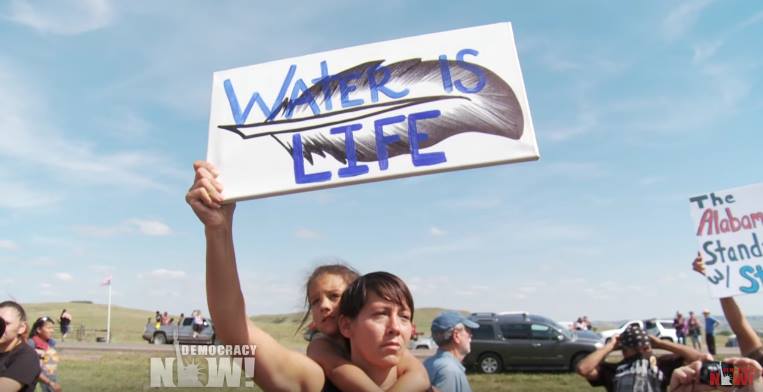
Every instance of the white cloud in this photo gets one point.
(64, 276)
(65, 17)
(585, 122)
(37, 141)
(163, 273)
(470, 203)
(45, 285)
(23, 196)
(150, 227)
(8, 245)
(436, 231)
(706, 50)
(682, 18)
(306, 234)
(147, 227)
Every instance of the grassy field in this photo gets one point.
(127, 324)
(97, 371)
(130, 372)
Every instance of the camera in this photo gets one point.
(716, 373)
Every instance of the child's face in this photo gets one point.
(324, 294)
(380, 332)
(46, 331)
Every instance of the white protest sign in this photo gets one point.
(411, 106)
(729, 227)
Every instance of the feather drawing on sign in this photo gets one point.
(494, 109)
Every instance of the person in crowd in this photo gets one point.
(157, 320)
(710, 325)
(198, 323)
(687, 378)
(750, 345)
(694, 331)
(452, 333)
(639, 370)
(165, 319)
(587, 323)
(323, 291)
(64, 322)
(680, 324)
(19, 364)
(181, 318)
(41, 340)
(375, 311)
(579, 324)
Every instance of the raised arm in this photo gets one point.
(687, 353)
(748, 339)
(588, 366)
(277, 368)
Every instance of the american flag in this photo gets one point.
(106, 281)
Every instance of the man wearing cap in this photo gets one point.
(639, 370)
(710, 325)
(450, 330)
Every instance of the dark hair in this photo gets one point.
(19, 309)
(38, 324)
(14, 305)
(347, 273)
(384, 284)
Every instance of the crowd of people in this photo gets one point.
(361, 324)
(582, 324)
(641, 370)
(28, 355)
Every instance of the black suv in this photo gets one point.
(525, 341)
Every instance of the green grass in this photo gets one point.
(114, 372)
(130, 372)
(126, 324)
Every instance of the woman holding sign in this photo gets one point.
(375, 316)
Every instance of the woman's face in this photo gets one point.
(46, 330)
(380, 333)
(13, 326)
(324, 294)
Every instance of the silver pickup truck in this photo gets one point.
(182, 333)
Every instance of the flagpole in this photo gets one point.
(108, 318)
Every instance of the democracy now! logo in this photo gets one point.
(723, 374)
(205, 366)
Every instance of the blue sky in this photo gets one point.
(104, 106)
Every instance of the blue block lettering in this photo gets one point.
(746, 272)
(447, 81)
(300, 95)
(477, 71)
(325, 82)
(414, 137)
(352, 169)
(299, 165)
(240, 117)
(375, 86)
(345, 88)
(382, 141)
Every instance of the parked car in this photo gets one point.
(182, 333)
(419, 342)
(525, 341)
(662, 329)
(588, 334)
(732, 342)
